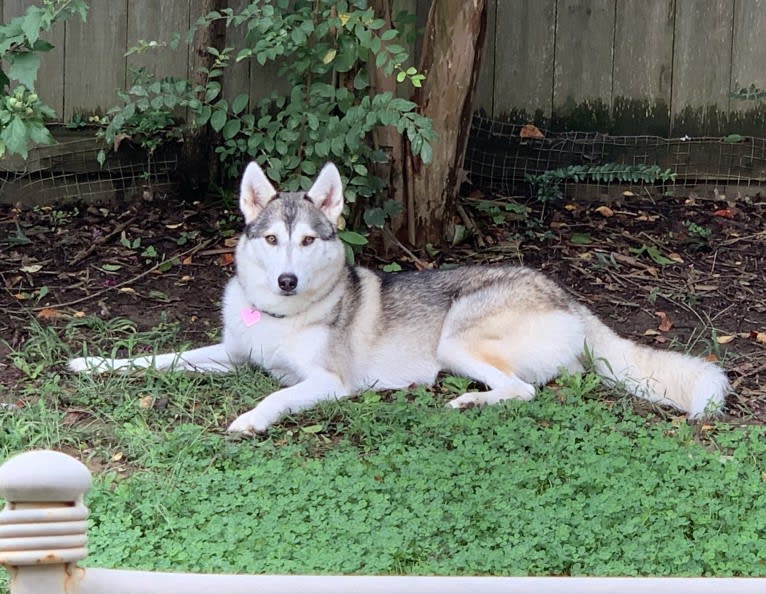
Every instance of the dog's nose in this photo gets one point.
(287, 281)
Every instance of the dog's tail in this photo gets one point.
(691, 384)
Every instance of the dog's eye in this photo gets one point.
(271, 239)
(308, 240)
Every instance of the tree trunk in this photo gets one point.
(451, 58)
(195, 162)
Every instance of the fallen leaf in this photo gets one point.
(126, 290)
(570, 207)
(174, 225)
(651, 332)
(605, 211)
(531, 131)
(117, 456)
(230, 242)
(145, 401)
(665, 323)
(628, 193)
(676, 257)
(226, 260)
(726, 213)
(712, 357)
(580, 238)
(760, 337)
(724, 339)
(186, 261)
(79, 314)
(31, 268)
(48, 314)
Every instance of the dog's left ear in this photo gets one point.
(327, 193)
(255, 192)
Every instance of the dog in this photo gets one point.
(327, 330)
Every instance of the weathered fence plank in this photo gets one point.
(654, 66)
(701, 67)
(748, 66)
(524, 54)
(94, 59)
(643, 67)
(149, 20)
(582, 89)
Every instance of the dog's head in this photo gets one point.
(290, 236)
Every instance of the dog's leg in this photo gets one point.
(319, 386)
(204, 359)
(491, 370)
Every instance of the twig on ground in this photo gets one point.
(129, 281)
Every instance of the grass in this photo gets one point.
(572, 483)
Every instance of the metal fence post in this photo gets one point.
(44, 523)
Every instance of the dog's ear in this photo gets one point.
(255, 192)
(327, 193)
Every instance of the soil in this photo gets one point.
(670, 271)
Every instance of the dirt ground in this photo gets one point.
(663, 270)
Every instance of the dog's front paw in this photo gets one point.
(249, 423)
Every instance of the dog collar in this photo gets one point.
(251, 316)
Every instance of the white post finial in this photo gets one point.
(44, 523)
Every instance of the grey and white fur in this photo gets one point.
(327, 330)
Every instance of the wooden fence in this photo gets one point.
(43, 534)
(664, 67)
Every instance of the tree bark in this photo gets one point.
(195, 162)
(451, 59)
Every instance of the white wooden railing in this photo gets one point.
(43, 534)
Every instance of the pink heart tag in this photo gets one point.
(250, 316)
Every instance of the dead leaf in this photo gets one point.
(79, 314)
(174, 225)
(676, 257)
(126, 290)
(724, 339)
(605, 211)
(628, 193)
(31, 268)
(759, 336)
(712, 357)
(230, 242)
(145, 401)
(117, 456)
(531, 131)
(226, 260)
(726, 213)
(186, 261)
(570, 207)
(651, 332)
(665, 323)
(48, 314)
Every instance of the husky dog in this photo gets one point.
(327, 330)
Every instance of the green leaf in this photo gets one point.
(656, 255)
(24, 67)
(14, 136)
(374, 217)
(581, 239)
(32, 23)
(110, 267)
(734, 138)
(352, 238)
(240, 103)
(231, 129)
(426, 152)
(218, 120)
